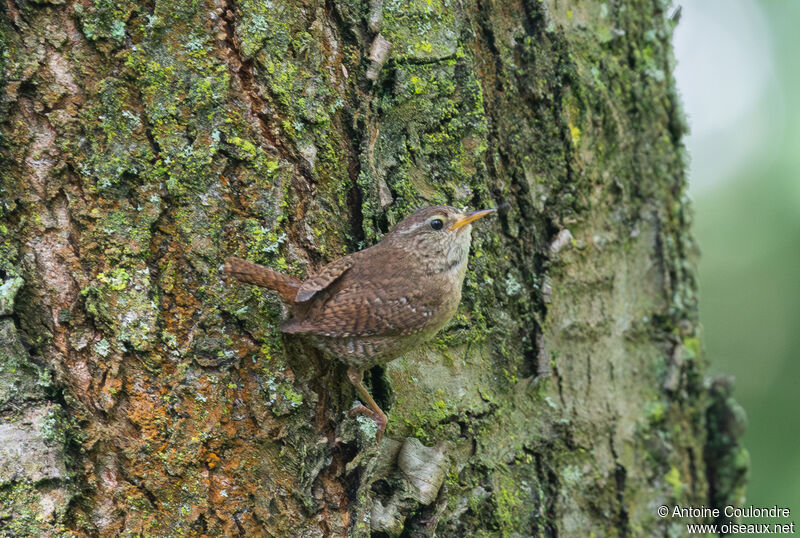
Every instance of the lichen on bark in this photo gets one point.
(143, 142)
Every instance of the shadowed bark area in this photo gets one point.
(144, 142)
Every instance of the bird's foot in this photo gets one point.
(379, 418)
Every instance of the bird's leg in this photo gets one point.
(356, 378)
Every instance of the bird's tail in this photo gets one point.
(253, 273)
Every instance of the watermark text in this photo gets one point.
(770, 513)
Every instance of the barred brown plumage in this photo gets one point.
(260, 275)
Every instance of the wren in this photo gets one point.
(372, 306)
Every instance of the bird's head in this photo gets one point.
(440, 235)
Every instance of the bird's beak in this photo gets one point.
(469, 217)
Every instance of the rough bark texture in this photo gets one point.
(143, 142)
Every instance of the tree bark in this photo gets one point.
(143, 142)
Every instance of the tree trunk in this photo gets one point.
(143, 142)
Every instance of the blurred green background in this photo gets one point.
(739, 76)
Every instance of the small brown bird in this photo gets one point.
(371, 306)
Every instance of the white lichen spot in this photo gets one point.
(102, 347)
(8, 290)
(513, 287)
(367, 426)
(571, 475)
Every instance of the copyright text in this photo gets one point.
(735, 513)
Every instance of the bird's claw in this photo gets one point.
(380, 419)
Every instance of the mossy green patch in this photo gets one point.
(20, 379)
(105, 19)
(119, 301)
(422, 29)
(431, 140)
(673, 478)
(508, 504)
(21, 510)
(118, 145)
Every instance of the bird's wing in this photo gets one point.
(363, 304)
(354, 314)
(324, 278)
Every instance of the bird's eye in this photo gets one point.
(437, 224)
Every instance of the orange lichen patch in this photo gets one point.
(212, 460)
(146, 411)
